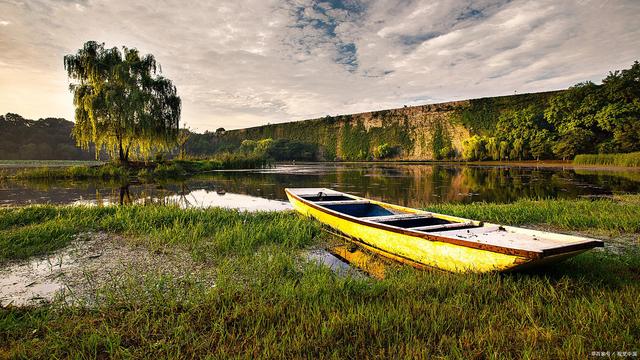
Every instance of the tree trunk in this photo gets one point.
(126, 154)
(122, 158)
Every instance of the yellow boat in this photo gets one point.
(429, 240)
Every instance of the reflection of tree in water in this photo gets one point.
(405, 184)
(125, 195)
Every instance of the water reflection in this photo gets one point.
(405, 184)
(187, 198)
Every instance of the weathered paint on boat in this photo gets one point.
(480, 247)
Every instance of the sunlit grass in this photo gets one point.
(145, 171)
(621, 213)
(268, 301)
(35, 230)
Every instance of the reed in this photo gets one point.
(627, 160)
(145, 171)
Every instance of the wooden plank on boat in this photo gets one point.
(342, 202)
(495, 236)
(383, 218)
(443, 226)
(503, 247)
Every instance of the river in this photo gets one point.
(412, 185)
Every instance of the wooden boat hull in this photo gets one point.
(420, 252)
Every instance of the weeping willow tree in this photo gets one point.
(123, 104)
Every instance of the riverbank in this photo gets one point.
(547, 164)
(144, 171)
(251, 291)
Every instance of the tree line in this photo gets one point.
(585, 119)
(43, 139)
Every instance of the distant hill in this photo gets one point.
(42, 139)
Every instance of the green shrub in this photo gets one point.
(382, 151)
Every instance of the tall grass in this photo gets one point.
(628, 160)
(78, 172)
(162, 170)
(621, 214)
(268, 302)
(35, 230)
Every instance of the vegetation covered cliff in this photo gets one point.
(586, 118)
(427, 132)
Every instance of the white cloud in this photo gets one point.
(247, 63)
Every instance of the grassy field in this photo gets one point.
(627, 160)
(268, 301)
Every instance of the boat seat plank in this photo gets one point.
(443, 226)
(494, 236)
(343, 202)
(383, 218)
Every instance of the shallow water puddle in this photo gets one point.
(30, 282)
(76, 272)
(349, 260)
(334, 263)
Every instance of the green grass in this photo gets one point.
(49, 163)
(628, 160)
(76, 172)
(620, 214)
(268, 302)
(36, 230)
(164, 170)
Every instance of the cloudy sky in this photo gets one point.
(245, 63)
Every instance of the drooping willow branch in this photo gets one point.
(123, 105)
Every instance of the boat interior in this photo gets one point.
(443, 226)
(374, 213)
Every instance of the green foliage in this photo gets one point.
(441, 142)
(382, 151)
(473, 148)
(526, 130)
(572, 142)
(164, 169)
(481, 116)
(591, 118)
(263, 146)
(43, 139)
(283, 149)
(121, 102)
(77, 172)
(181, 141)
(354, 142)
(248, 146)
(629, 160)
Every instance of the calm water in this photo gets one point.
(405, 184)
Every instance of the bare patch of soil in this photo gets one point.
(76, 272)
